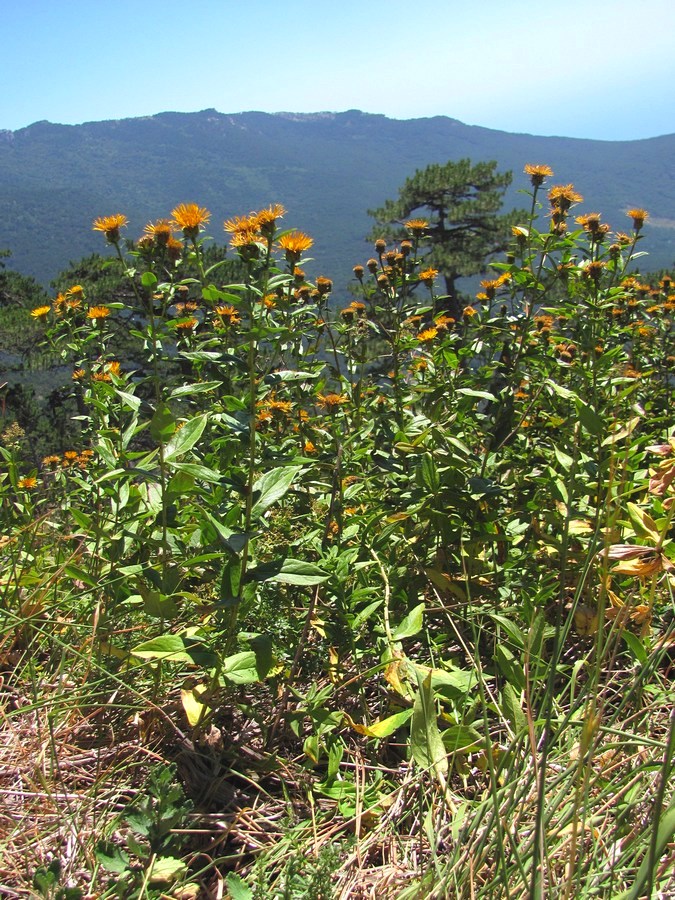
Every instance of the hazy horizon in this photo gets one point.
(507, 65)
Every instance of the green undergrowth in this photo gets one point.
(331, 598)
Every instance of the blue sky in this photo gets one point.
(580, 68)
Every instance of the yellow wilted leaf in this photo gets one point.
(639, 568)
(194, 708)
(394, 673)
(585, 621)
(580, 526)
(333, 664)
(318, 625)
(383, 727)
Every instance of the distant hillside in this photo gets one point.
(326, 168)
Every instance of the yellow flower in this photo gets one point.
(187, 324)
(110, 226)
(416, 225)
(190, 218)
(469, 311)
(78, 374)
(40, 312)
(159, 231)
(638, 216)
(115, 368)
(537, 173)
(174, 248)
(28, 483)
(75, 291)
(241, 224)
(562, 196)
(309, 447)
(245, 238)
(98, 312)
(426, 336)
(295, 243)
(332, 401)
(427, 276)
(228, 314)
(278, 407)
(266, 219)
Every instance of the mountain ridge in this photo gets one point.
(327, 168)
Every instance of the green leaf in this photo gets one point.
(162, 424)
(462, 739)
(241, 668)
(411, 625)
(590, 419)
(176, 648)
(187, 390)
(272, 487)
(512, 708)
(185, 438)
(643, 523)
(288, 571)
(112, 858)
(565, 461)
(426, 744)
(166, 868)
(429, 473)
(561, 391)
(361, 617)
(478, 395)
(148, 280)
(202, 473)
(237, 887)
(130, 400)
(510, 667)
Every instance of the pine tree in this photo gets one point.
(460, 202)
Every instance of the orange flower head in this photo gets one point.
(242, 224)
(40, 312)
(537, 173)
(332, 401)
(267, 219)
(110, 226)
(160, 231)
(427, 336)
(639, 216)
(190, 217)
(417, 226)
(98, 312)
(187, 324)
(427, 276)
(294, 244)
(562, 196)
(228, 314)
(27, 483)
(324, 285)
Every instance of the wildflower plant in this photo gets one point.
(417, 551)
